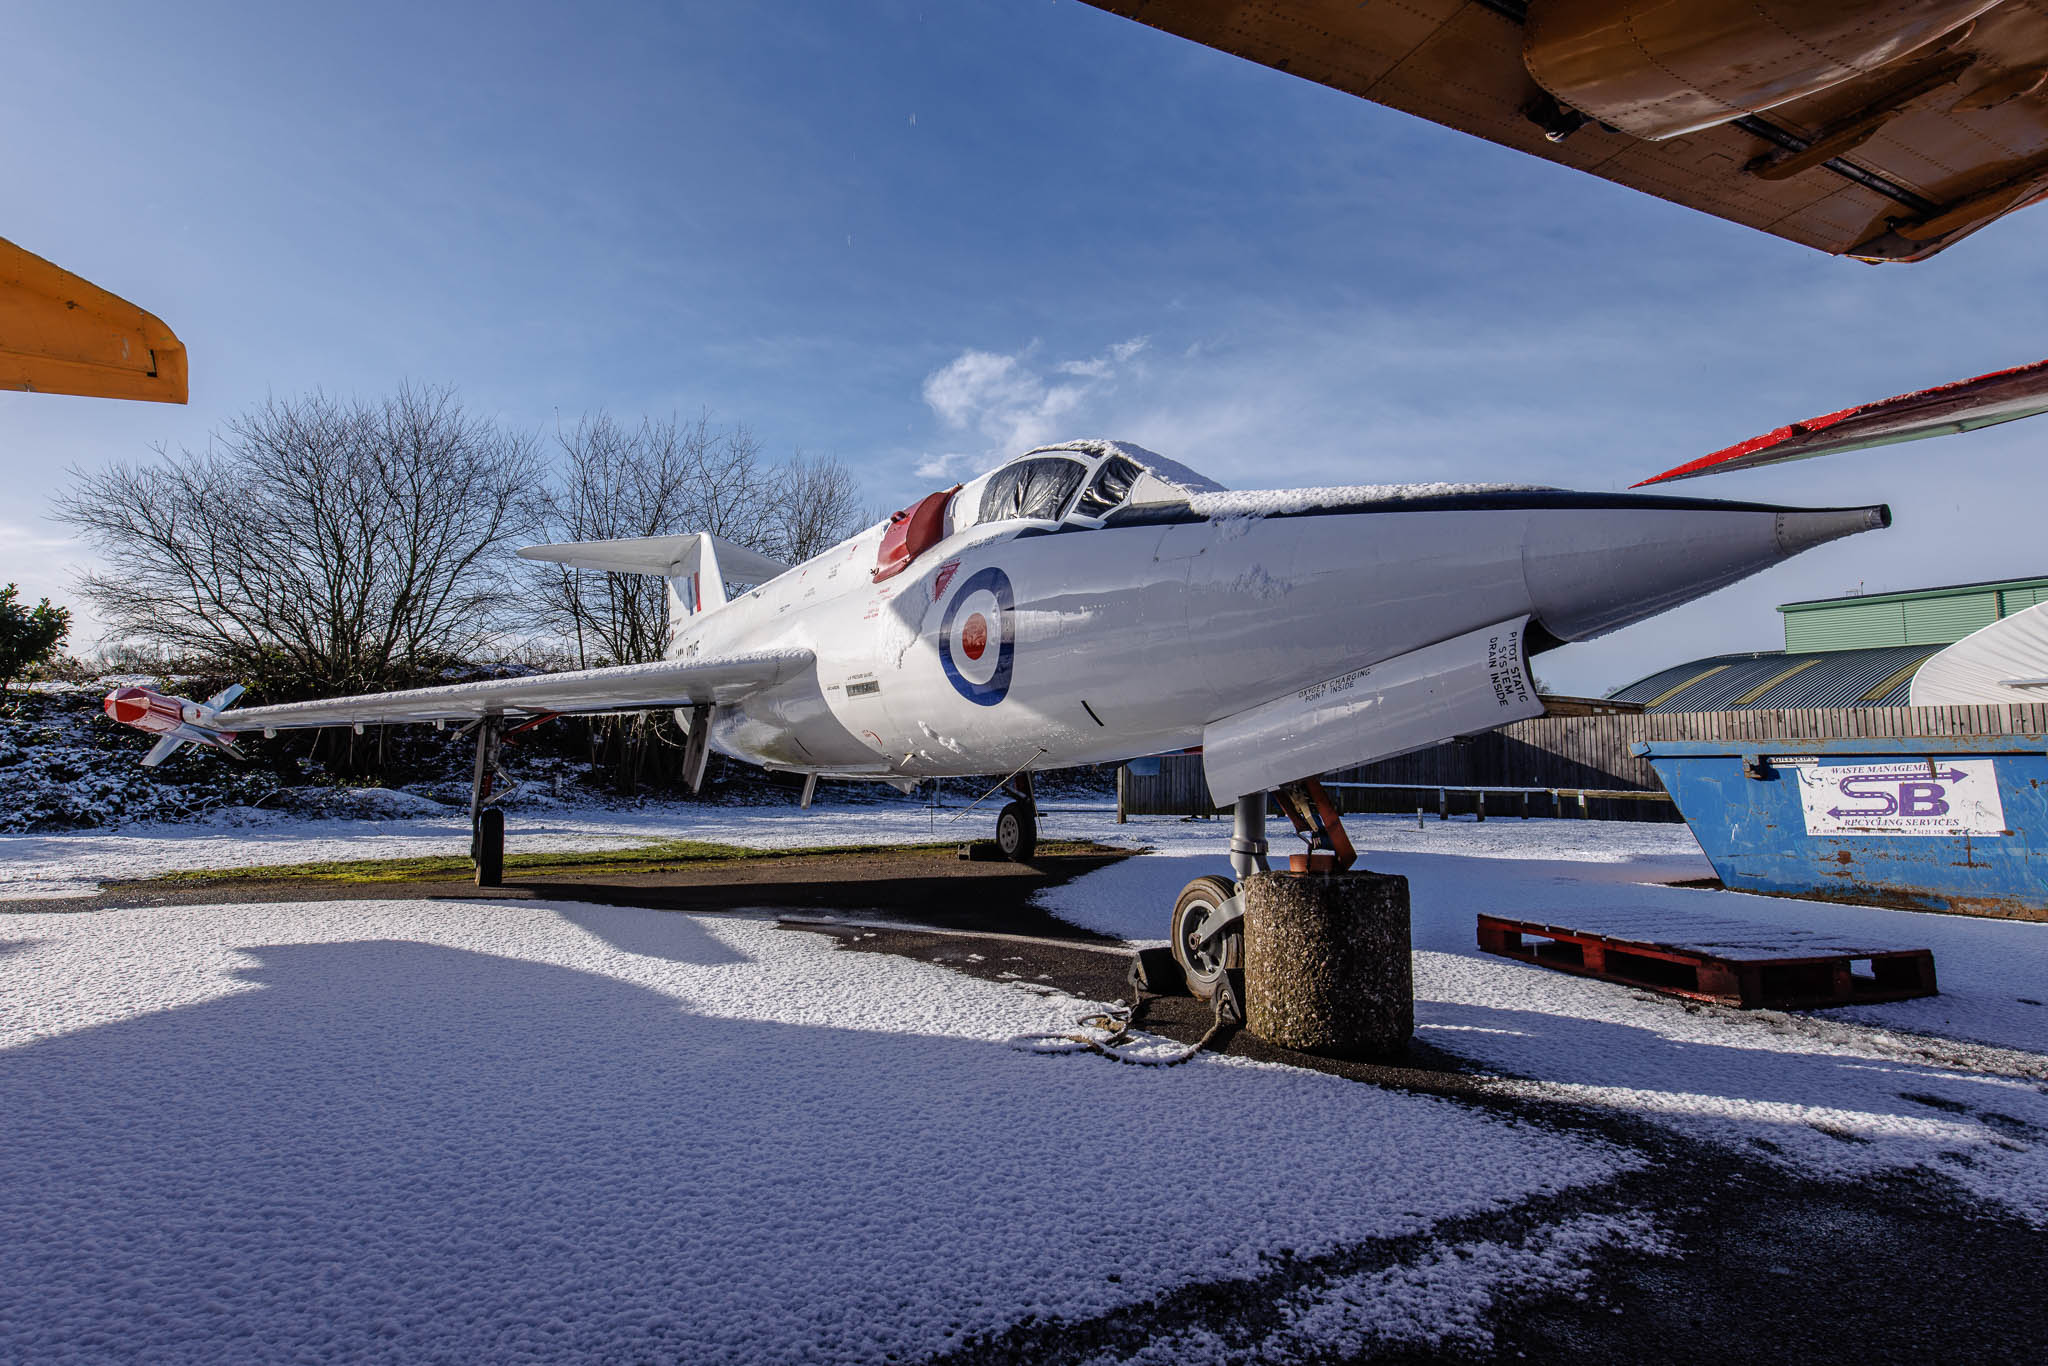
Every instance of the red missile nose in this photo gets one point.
(127, 705)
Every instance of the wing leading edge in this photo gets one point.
(626, 687)
(1948, 409)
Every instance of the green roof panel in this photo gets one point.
(1948, 618)
(1849, 625)
(1927, 616)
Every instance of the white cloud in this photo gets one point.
(951, 465)
(979, 384)
(17, 537)
(1013, 402)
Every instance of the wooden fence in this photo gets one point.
(1580, 752)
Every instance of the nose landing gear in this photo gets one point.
(1207, 929)
(1205, 962)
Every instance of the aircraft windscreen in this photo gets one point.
(1111, 485)
(1031, 488)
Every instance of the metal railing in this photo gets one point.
(1559, 796)
(1184, 792)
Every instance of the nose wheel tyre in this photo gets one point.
(1205, 965)
(1017, 832)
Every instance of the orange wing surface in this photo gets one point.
(1886, 130)
(63, 335)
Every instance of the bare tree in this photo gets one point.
(615, 482)
(662, 478)
(816, 506)
(316, 545)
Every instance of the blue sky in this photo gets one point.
(919, 236)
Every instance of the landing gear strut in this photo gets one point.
(1017, 822)
(1316, 821)
(486, 818)
(1207, 930)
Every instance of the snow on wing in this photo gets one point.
(627, 687)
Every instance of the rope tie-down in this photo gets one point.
(1113, 1034)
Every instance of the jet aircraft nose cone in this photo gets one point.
(1597, 568)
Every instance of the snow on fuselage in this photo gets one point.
(1042, 642)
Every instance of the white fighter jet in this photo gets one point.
(1093, 602)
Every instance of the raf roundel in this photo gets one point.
(977, 644)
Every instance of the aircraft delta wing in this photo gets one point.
(1886, 130)
(685, 684)
(625, 687)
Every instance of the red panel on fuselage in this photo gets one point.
(911, 532)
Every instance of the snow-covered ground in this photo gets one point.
(76, 862)
(1950, 1082)
(407, 1130)
(1992, 972)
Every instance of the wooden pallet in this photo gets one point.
(1726, 962)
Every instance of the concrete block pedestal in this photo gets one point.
(1326, 962)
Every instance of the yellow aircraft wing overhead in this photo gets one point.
(63, 335)
(1881, 129)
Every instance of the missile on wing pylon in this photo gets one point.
(178, 720)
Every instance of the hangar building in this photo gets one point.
(1856, 651)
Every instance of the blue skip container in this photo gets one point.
(1931, 823)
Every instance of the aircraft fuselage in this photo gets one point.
(1036, 643)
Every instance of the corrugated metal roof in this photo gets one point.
(1774, 679)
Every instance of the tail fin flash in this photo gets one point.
(696, 582)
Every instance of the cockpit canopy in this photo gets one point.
(1088, 483)
(1083, 483)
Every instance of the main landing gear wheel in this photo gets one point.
(1017, 832)
(1205, 966)
(489, 847)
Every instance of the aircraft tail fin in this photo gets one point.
(696, 564)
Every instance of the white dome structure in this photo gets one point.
(2004, 662)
